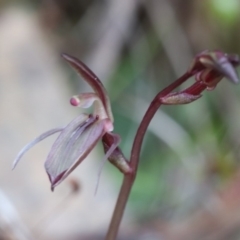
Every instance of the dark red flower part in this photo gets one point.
(116, 158)
(196, 89)
(211, 66)
(208, 68)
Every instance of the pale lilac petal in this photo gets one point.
(224, 66)
(229, 72)
(116, 142)
(65, 140)
(72, 148)
(65, 136)
(33, 143)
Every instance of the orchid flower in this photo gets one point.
(209, 67)
(77, 139)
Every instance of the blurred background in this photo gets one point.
(188, 183)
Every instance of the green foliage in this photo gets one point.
(226, 11)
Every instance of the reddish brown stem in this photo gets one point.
(134, 160)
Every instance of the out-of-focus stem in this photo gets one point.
(134, 160)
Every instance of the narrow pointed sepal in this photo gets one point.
(229, 72)
(92, 80)
(116, 139)
(33, 143)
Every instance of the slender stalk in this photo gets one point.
(119, 208)
(152, 109)
(134, 160)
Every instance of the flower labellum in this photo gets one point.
(72, 146)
